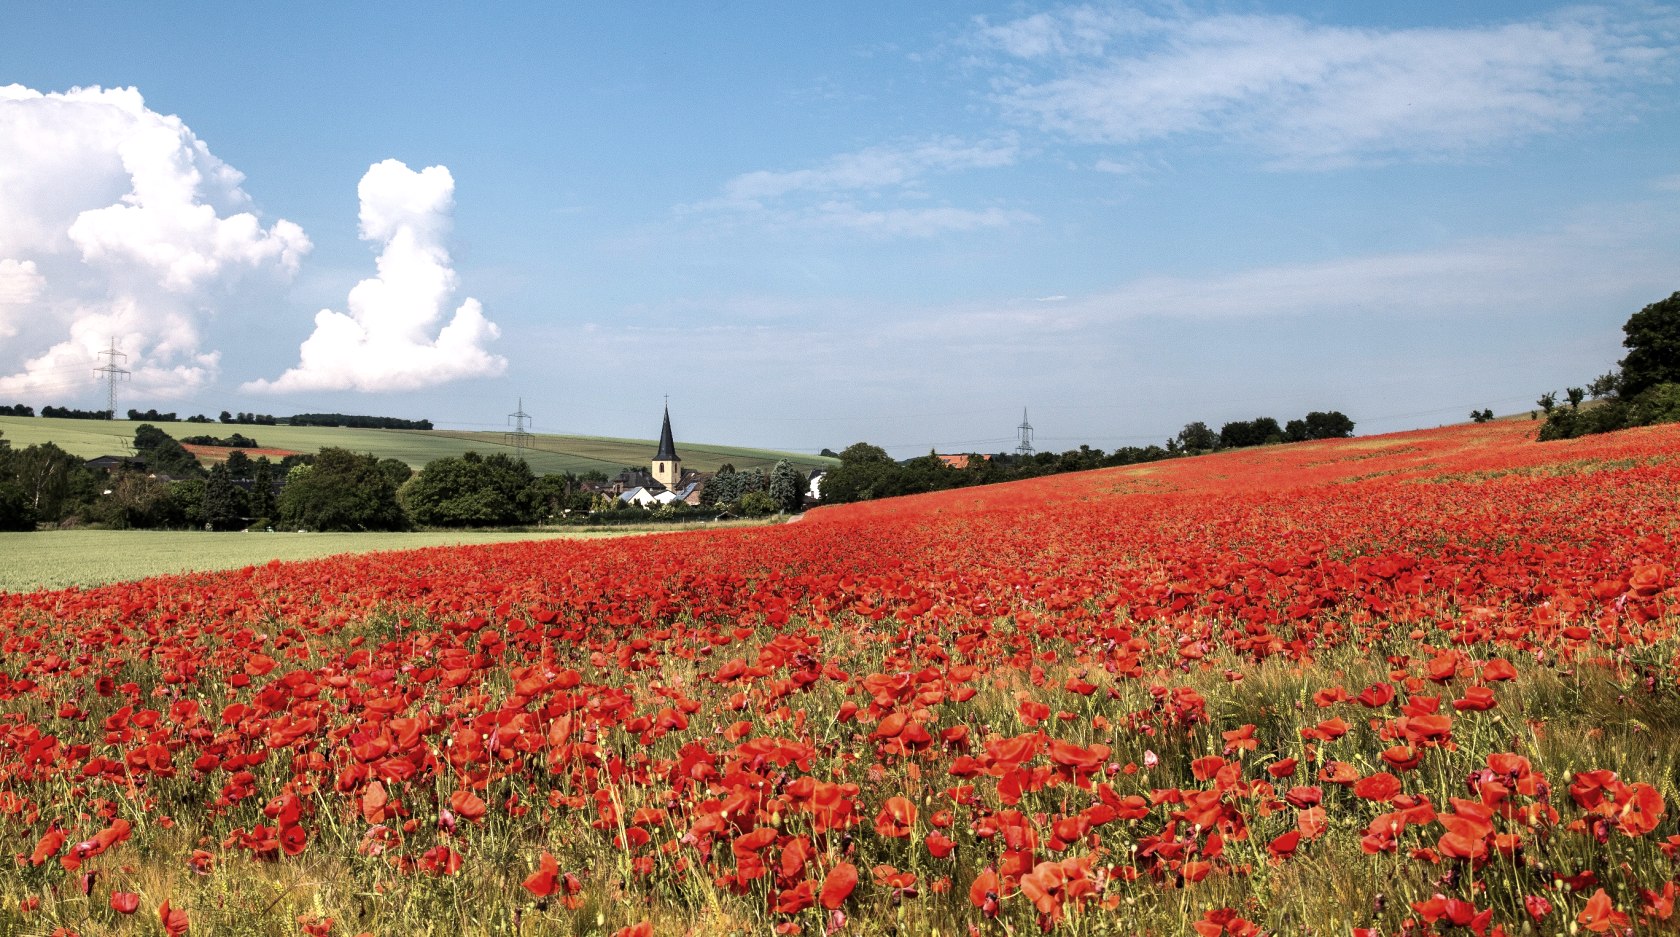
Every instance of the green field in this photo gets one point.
(546, 453)
(54, 559)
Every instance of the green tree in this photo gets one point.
(557, 493)
(397, 471)
(342, 490)
(224, 501)
(1197, 437)
(865, 472)
(756, 504)
(15, 510)
(16, 513)
(1328, 425)
(134, 500)
(163, 454)
(1659, 403)
(1604, 385)
(183, 506)
(1547, 401)
(1256, 432)
(264, 505)
(1653, 344)
(786, 488)
(53, 481)
(471, 491)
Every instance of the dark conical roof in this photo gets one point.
(667, 446)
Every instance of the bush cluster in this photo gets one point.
(1644, 391)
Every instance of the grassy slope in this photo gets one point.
(89, 438)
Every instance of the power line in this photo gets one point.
(112, 374)
(519, 439)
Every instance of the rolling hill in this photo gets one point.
(546, 453)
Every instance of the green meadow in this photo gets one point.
(56, 559)
(545, 453)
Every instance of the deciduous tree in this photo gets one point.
(1653, 344)
(342, 490)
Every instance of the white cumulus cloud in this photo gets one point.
(117, 223)
(386, 342)
(20, 285)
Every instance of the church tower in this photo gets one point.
(667, 468)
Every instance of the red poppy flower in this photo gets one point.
(838, 885)
(125, 902)
(542, 882)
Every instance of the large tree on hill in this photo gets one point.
(1197, 437)
(1332, 425)
(1653, 344)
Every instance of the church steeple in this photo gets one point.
(667, 467)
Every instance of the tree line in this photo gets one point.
(866, 471)
(355, 421)
(154, 416)
(235, 441)
(164, 486)
(66, 413)
(753, 493)
(1260, 431)
(352, 420)
(1644, 389)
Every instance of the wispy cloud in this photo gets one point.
(1309, 95)
(1383, 336)
(862, 191)
(914, 222)
(1580, 265)
(873, 169)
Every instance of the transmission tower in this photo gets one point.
(519, 439)
(1025, 429)
(112, 374)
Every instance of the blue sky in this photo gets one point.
(810, 225)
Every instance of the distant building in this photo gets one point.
(640, 497)
(112, 463)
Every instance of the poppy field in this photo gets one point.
(1418, 684)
